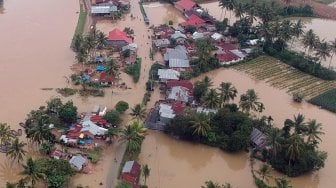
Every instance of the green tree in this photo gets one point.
(240, 10)
(112, 133)
(77, 43)
(16, 150)
(123, 184)
(294, 148)
(46, 148)
(313, 131)
(211, 99)
(274, 139)
(31, 172)
(101, 40)
(68, 112)
(121, 106)
(112, 67)
(10, 185)
(264, 172)
(133, 134)
(322, 50)
(227, 92)
(145, 172)
(333, 50)
(54, 105)
(204, 48)
(138, 112)
(282, 183)
(113, 117)
(40, 131)
(309, 40)
(298, 124)
(298, 29)
(249, 101)
(5, 134)
(201, 124)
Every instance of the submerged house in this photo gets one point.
(168, 74)
(194, 21)
(77, 162)
(106, 10)
(131, 172)
(118, 39)
(258, 139)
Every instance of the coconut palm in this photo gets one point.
(145, 172)
(112, 67)
(227, 92)
(90, 45)
(31, 172)
(138, 112)
(313, 131)
(298, 29)
(249, 101)
(5, 134)
(282, 183)
(286, 31)
(16, 150)
(239, 10)
(294, 148)
(133, 134)
(211, 99)
(81, 56)
(266, 13)
(322, 50)
(207, 81)
(309, 40)
(333, 50)
(201, 124)
(273, 139)
(251, 13)
(101, 40)
(298, 124)
(77, 43)
(112, 133)
(211, 184)
(264, 172)
(40, 131)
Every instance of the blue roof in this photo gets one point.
(100, 68)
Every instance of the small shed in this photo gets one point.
(130, 172)
(77, 162)
(258, 139)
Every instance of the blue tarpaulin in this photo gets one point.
(100, 68)
(86, 78)
(89, 141)
(82, 142)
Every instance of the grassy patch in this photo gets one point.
(66, 92)
(326, 100)
(94, 155)
(92, 92)
(134, 70)
(80, 24)
(326, 1)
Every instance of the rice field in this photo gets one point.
(283, 76)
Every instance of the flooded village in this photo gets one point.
(136, 97)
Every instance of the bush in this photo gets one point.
(326, 100)
(66, 92)
(146, 98)
(170, 22)
(134, 70)
(153, 72)
(150, 85)
(297, 97)
(113, 117)
(94, 155)
(121, 106)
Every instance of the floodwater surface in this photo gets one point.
(162, 13)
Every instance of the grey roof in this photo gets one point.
(197, 35)
(127, 167)
(178, 63)
(77, 161)
(168, 74)
(131, 46)
(103, 9)
(238, 53)
(247, 50)
(179, 93)
(179, 52)
(205, 110)
(258, 138)
(216, 36)
(161, 42)
(177, 35)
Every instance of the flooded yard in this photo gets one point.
(219, 13)
(162, 13)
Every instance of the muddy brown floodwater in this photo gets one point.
(181, 163)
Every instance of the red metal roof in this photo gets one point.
(178, 107)
(184, 83)
(186, 4)
(104, 78)
(193, 21)
(133, 174)
(228, 56)
(116, 34)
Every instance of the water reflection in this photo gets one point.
(2, 8)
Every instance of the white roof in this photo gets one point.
(197, 35)
(77, 161)
(238, 53)
(179, 93)
(168, 74)
(166, 111)
(179, 52)
(68, 140)
(91, 127)
(127, 167)
(178, 63)
(247, 50)
(216, 36)
(103, 9)
(205, 110)
(131, 46)
(177, 35)
(161, 42)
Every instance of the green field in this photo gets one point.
(326, 100)
(283, 76)
(81, 23)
